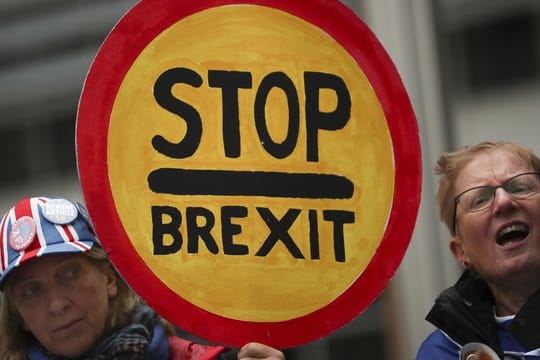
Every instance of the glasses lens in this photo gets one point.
(523, 186)
(477, 199)
(519, 187)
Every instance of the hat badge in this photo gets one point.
(60, 211)
(22, 233)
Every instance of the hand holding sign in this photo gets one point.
(259, 351)
(252, 167)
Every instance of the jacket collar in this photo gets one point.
(465, 312)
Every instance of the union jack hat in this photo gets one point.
(41, 226)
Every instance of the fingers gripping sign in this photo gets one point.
(252, 351)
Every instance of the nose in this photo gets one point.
(502, 200)
(58, 302)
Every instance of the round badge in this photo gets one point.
(60, 211)
(22, 233)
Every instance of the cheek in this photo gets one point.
(33, 319)
(105, 292)
(473, 233)
(473, 225)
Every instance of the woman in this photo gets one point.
(489, 198)
(62, 298)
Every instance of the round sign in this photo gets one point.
(252, 167)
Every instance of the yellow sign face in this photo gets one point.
(197, 99)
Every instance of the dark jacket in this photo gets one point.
(465, 313)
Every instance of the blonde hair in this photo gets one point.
(15, 340)
(450, 165)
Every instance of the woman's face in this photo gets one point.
(500, 260)
(63, 300)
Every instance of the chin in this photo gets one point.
(74, 349)
(521, 267)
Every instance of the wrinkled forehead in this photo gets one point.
(491, 167)
(39, 266)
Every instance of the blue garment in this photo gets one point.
(438, 346)
(159, 346)
(464, 314)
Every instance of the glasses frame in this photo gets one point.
(457, 197)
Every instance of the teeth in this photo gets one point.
(511, 233)
(511, 228)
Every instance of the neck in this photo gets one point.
(509, 300)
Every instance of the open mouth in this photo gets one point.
(512, 233)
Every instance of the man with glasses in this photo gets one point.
(489, 198)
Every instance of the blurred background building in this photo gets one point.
(471, 67)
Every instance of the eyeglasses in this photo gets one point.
(480, 198)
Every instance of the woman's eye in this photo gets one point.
(30, 291)
(479, 201)
(519, 189)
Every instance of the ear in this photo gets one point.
(457, 249)
(112, 282)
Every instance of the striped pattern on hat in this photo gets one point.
(49, 238)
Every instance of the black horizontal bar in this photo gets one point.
(250, 183)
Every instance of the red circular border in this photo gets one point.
(126, 41)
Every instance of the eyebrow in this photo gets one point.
(485, 183)
(17, 277)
